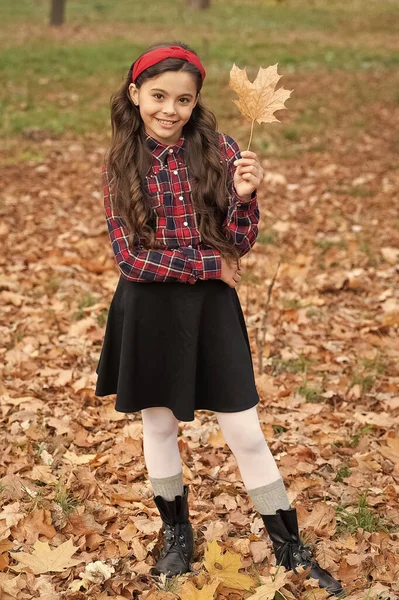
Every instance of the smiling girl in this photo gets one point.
(181, 208)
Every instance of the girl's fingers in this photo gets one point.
(246, 161)
(251, 176)
(248, 154)
(249, 169)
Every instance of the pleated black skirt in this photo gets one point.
(181, 346)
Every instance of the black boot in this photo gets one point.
(178, 536)
(291, 553)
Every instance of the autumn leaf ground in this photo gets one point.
(325, 343)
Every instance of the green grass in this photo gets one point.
(292, 304)
(377, 596)
(361, 517)
(278, 429)
(292, 134)
(326, 245)
(327, 16)
(313, 313)
(85, 301)
(360, 192)
(355, 439)
(67, 86)
(65, 499)
(366, 382)
(102, 317)
(292, 365)
(52, 285)
(310, 394)
(267, 237)
(249, 278)
(378, 364)
(64, 87)
(342, 473)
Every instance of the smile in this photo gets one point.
(166, 123)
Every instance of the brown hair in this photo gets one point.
(129, 160)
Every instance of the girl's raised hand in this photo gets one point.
(231, 272)
(248, 174)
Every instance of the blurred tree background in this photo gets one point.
(339, 56)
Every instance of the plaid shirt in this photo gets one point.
(185, 257)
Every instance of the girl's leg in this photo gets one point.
(162, 457)
(161, 452)
(265, 487)
(259, 472)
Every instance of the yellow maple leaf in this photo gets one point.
(270, 585)
(44, 559)
(189, 592)
(225, 567)
(258, 100)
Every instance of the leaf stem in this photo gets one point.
(252, 130)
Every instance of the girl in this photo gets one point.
(181, 208)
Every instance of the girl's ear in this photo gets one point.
(134, 94)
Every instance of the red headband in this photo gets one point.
(155, 56)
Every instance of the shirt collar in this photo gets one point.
(160, 150)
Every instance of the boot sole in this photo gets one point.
(168, 574)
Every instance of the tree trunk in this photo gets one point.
(57, 12)
(198, 4)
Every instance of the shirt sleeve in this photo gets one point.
(184, 265)
(241, 223)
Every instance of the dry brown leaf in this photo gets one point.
(270, 585)
(37, 523)
(216, 439)
(45, 560)
(259, 100)
(322, 519)
(215, 529)
(12, 514)
(207, 592)
(259, 550)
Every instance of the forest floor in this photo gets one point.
(324, 340)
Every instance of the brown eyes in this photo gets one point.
(161, 95)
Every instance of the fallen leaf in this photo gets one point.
(270, 585)
(391, 255)
(45, 560)
(225, 567)
(97, 572)
(207, 592)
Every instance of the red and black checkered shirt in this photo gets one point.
(185, 257)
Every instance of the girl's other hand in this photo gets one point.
(231, 272)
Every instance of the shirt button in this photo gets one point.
(185, 223)
(175, 172)
(181, 198)
(171, 151)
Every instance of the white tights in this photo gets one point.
(241, 431)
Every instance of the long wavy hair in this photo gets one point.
(129, 161)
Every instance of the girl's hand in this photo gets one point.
(248, 174)
(231, 272)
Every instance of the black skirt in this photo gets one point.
(181, 346)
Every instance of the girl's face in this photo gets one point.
(166, 103)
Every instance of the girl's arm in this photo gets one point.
(241, 223)
(185, 265)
